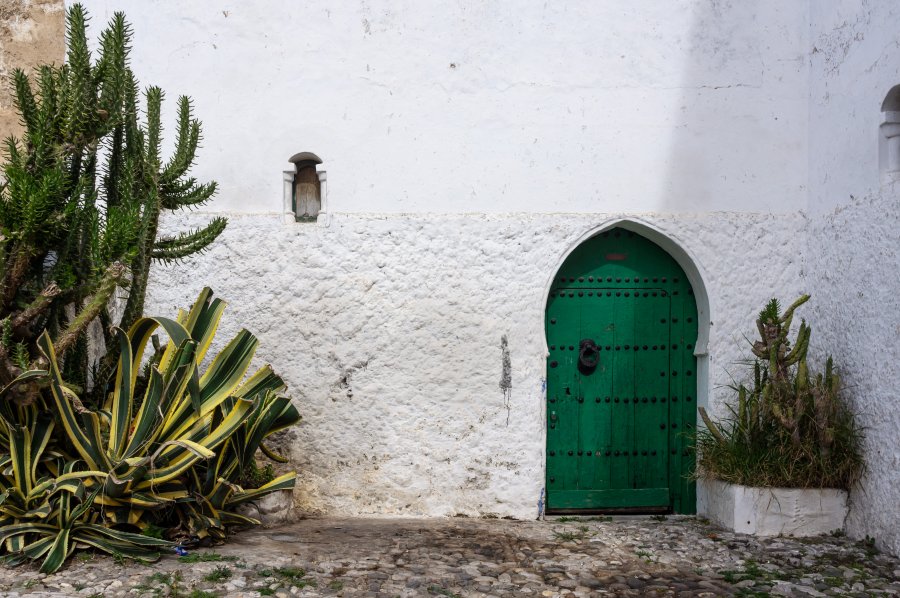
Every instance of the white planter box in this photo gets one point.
(772, 511)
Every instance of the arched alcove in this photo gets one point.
(889, 136)
(304, 189)
(627, 330)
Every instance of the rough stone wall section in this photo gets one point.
(32, 32)
(855, 253)
(854, 243)
(388, 331)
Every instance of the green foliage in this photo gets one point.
(254, 476)
(786, 427)
(567, 536)
(290, 572)
(153, 531)
(79, 209)
(220, 573)
(171, 458)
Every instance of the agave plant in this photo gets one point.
(45, 510)
(169, 456)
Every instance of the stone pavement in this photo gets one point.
(591, 556)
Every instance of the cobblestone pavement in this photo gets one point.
(591, 556)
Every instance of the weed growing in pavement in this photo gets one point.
(290, 572)
(161, 584)
(220, 573)
(751, 570)
(868, 545)
(293, 575)
(568, 536)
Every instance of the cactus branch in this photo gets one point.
(111, 280)
(713, 428)
(37, 307)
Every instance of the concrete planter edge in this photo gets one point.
(795, 512)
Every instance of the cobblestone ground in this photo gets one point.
(634, 556)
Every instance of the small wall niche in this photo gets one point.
(304, 189)
(889, 137)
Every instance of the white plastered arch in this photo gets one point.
(669, 243)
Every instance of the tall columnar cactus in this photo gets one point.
(80, 205)
(782, 394)
(786, 427)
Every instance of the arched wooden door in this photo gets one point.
(621, 326)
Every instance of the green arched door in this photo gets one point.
(621, 325)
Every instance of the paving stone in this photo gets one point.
(486, 558)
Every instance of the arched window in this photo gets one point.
(889, 138)
(303, 189)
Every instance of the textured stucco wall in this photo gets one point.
(854, 255)
(578, 106)
(388, 331)
(704, 115)
(854, 239)
(32, 32)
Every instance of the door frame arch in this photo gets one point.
(684, 257)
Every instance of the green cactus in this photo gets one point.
(80, 201)
(791, 427)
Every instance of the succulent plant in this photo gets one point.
(170, 456)
(787, 428)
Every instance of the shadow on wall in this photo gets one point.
(736, 145)
(736, 126)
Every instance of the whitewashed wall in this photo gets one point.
(387, 330)
(585, 106)
(854, 243)
(467, 146)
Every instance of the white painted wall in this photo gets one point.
(387, 330)
(585, 106)
(468, 145)
(854, 242)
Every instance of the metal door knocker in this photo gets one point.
(588, 356)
